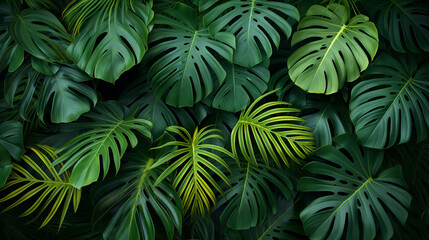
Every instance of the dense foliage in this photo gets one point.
(222, 119)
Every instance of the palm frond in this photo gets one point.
(274, 130)
(191, 159)
(46, 187)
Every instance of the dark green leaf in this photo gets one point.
(355, 191)
(184, 57)
(392, 102)
(106, 139)
(252, 22)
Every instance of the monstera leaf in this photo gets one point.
(274, 130)
(339, 48)
(328, 117)
(184, 51)
(252, 197)
(40, 33)
(113, 39)
(192, 160)
(386, 107)
(11, 144)
(47, 188)
(405, 23)
(356, 192)
(240, 86)
(252, 23)
(69, 95)
(106, 139)
(132, 218)
(141, 97)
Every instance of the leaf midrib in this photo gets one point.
(369, 180)
(329, 48)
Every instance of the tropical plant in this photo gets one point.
(214, 119)
(192, 158)
(339, 48)
(48, 186)
(274, 133)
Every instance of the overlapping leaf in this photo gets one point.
(405, 23)
(113, 39)
(40, 33)
(328, 117)
(186, 54)
(359, 193)
(11, 144)
(47, 189)
(107, 137)
(253, 22)
(251, 198)
(392, 101)
(339, 48)
(241, 86)
(132, 194)
(142, 98)
(192, 160)
(276, 132)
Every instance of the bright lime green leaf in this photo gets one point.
(360, 193)
(337, 52)
(392, 101)
(43, 186)
(106, 139)
(274, 130)
(193, 160)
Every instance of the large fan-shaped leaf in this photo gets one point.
(274, 130)
(68, 95)
(394, 100)
(405, 23)
(185, 59)
(40, 33)
(359, 193)
(253, 22)
(45, 188)
(11, 144)
(328, 117)
(251, 198)
(114, 38)
(240, 86)
(193, 159)
(339, 49)
(106, 139)
(141, 97)
(132, 194)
